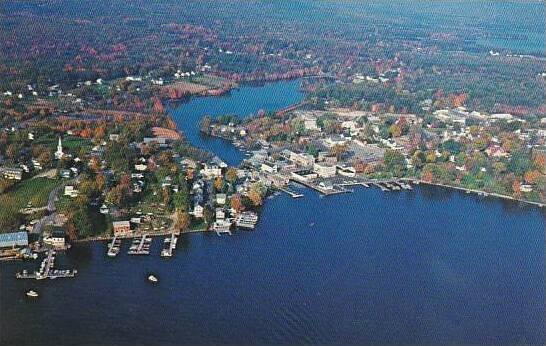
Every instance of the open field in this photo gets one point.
(34, 191)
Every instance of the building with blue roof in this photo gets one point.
(15, 239)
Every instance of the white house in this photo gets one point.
(221, 198)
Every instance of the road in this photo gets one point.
(51, 208)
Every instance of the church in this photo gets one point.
(59, 153)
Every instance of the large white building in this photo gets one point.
(325, 170)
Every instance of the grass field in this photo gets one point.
(72, 143)
(36, 191)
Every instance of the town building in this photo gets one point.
(11, 173)
(57, 239)
(325, 170)
(15, 239)
(121, 228)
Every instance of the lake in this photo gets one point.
(244, 102)
(429, 266)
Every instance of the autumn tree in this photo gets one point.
(237, 203)
(231, 175)
(183, 220)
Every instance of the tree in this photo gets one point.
(183, 220)
(531, 176)
(208, 215)
(519, 162)
(5, 185)
(256, 193)
(218, 183)
(45, 158)
(237, 203)
(394, 162)
(231, 175)
(418, 159)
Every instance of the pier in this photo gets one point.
(290, 192)
(140, 246)
(383, 188)
(324, 191)
(170, 245)
(114, 247)
(46, 270)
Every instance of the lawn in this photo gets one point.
(72, 143)
(36, 191)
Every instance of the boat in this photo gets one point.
(246, 220)
(152, 278)
(32, 294)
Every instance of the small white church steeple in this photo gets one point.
(59, 153)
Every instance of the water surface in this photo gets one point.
(430, 266)
(243, 102)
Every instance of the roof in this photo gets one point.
(121, 224)
(11, 239)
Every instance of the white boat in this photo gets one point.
(152, 278)
(32, 294)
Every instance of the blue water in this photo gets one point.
(430, 266)
(243, 102)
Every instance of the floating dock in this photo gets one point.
(140, 246)
(114, 247)
(291, 193)
(222, 227)
(170, 245)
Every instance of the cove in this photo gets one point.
(245, 101)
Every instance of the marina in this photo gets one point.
(46, 270)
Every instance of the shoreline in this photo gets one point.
(414, 180)
(155, 234)
(480, 192)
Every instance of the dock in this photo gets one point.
(140, 246)
(316, 187)
(114, 247)
(246, 220)
(46, 270)
(170, 245)
(222, 227)
(383, 188)
(290, 192)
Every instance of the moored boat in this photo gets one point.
(32, 294)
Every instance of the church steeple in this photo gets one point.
(59, 153)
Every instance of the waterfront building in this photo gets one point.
(324, 169)
(304, 175)
(57, 239)
(220, 214)
(15, 239)
(121, 228)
